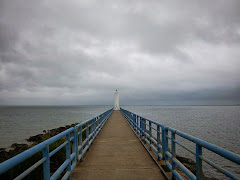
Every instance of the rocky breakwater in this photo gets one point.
(16, 148)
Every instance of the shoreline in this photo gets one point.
(17, 148)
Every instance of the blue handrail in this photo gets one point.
(74, 154)
(159, 144)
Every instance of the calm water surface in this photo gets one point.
(219, 125)
(18, 123)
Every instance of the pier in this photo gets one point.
(118, 144)
(117, 154)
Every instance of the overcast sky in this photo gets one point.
(75, 52)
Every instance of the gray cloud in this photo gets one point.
(78, 52)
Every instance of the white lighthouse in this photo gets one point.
(116, 100)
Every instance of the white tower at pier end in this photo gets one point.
(116, 100)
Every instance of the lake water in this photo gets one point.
(219, 125)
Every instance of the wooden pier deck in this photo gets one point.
(117, 153)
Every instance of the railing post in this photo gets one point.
(173, 152)
(158, 142)
(134, 121)
(94, 122)
(68, 152)
(100, 121)
(138, 125)
(164, 141)
(46, 164)
(141, 127)
(87, 135)
(199, 172)
(95, 126)
(144, 130)
(77, 141)
(91, 127)
(74, 147)
(80, 143)
(150, 135)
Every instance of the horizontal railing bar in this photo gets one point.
(72, 156)
(160, 155)
(85, 149)
(84, 129)
(220, 169)
(60, 170)
(154, 149)
(169, 166)
(30, 169)
(184, 169)
(151, 138)
(168, 154)
(90, 142)
(185, 147)
(73, 166)
(177, 175)
(80, 147)
(66, 175)
(10, 163)
(57, 149)
(147, 141)
(84, 142)
(153, 128)
(83, 123)
(80, 157)
(218, 150)
(160, 146)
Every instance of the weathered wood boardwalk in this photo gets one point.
(116, 153)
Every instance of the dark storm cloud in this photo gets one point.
(78, 52)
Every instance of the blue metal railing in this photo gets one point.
(92, 128)
(76, 145)
(159, 143)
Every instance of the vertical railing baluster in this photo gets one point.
(74, 147)
(138, 124)
(46, 164)
(158, 142)
(144, 129)
(87, 135)
(68, 153)
(141, 127)
(173, 148)
(137, 117)
(95, 126)
(77, 141)
(164, 141)
(199, 172)
(134, 121)
(150, 135)
(80, 142)
(91, 127)
(131, 119)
